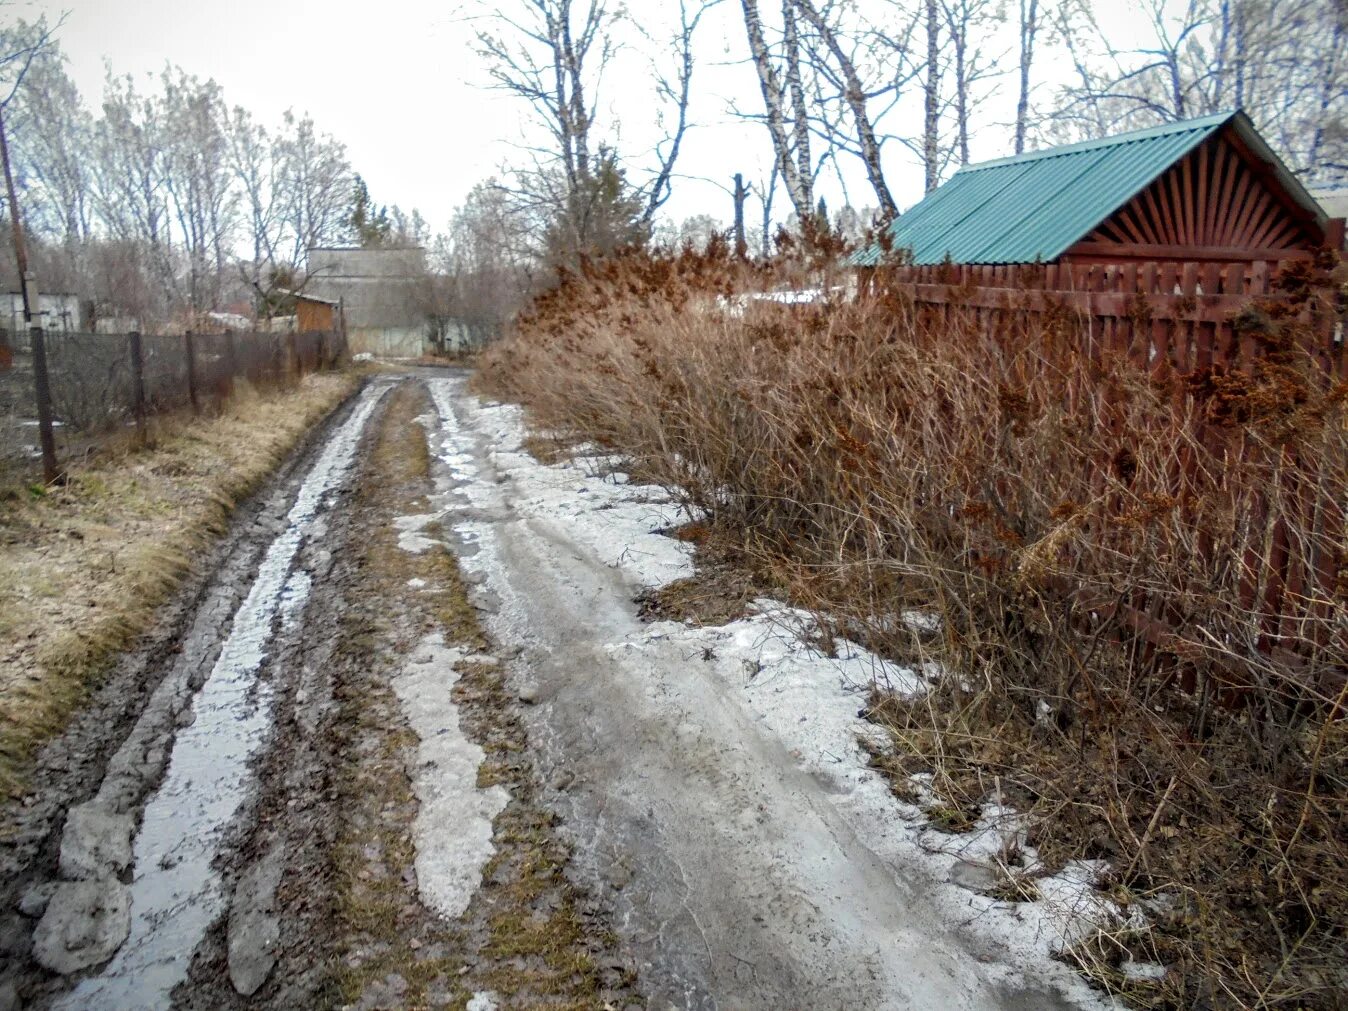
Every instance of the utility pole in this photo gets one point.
(41, 381)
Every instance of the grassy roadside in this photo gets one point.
(528, 936)
(83, 566)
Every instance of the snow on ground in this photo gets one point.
(453, 828)
(811, 702)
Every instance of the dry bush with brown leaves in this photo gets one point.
(1045, 502)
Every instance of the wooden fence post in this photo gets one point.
(189, 349)
(138, 383)
(296, 366)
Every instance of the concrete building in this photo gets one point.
(383, 294)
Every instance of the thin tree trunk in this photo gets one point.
(932, 103)
(855, 97)
(800, 124)
(797, 188)
(741, 195)
(1029, 27)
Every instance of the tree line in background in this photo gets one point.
(851, 80)
(843, 80)
(166, 201)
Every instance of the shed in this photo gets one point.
(1208, 190)
(314, 314)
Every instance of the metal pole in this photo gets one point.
(41, 381)
(138, 382)
(190, 351)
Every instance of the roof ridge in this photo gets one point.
(1202, 123)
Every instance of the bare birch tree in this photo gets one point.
(967, 23)
(50, 133)
(197, 180)
(553, 54)
(777, 95)
(835, 58)
(1029, 34)
(316, 181)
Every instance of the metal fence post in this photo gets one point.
(189, 349)
(232, 358)
(42, 390)
(296, 366)
(138, 382)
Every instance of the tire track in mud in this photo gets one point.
(175, 894)
(169, 665)
(319, 866)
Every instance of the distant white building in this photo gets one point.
(384, 296)
(56, 313)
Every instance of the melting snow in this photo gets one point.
(811, 702)
(453, 828)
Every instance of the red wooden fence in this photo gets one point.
(1180, 319)
(1184, 316)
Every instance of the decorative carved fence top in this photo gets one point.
(1164, 312)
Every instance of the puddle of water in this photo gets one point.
(175, 894)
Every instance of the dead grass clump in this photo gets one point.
(85, 565)
(726, 582)
(1137, 574)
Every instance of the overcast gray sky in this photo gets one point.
(397, 81)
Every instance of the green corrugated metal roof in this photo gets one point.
(1035, 206)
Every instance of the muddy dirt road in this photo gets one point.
(407, 743)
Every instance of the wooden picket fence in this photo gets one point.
(1160, 314)
(1178, 321)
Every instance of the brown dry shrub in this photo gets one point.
(1049, 501)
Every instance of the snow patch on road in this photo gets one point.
(453, 828)
(620, 522)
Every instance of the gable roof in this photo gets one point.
(1033, 207)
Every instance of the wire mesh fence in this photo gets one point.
(105, 383)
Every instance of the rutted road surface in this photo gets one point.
(323, 794)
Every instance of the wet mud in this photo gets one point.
(251, 806)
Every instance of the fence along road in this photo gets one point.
(102, 383)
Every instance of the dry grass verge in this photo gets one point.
(1027, 493)
(84, 565)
